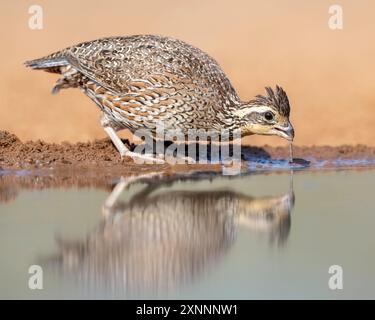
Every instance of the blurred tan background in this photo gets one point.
(329, 75)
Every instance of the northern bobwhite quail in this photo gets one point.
(141, 81)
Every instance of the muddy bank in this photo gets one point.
(99, 155)
(102, 155)
(40, 165)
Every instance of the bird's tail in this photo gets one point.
(46, 63)
(49, 63)
(52, 63)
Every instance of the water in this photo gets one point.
(250, 236)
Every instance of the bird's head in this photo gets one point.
(267, 115)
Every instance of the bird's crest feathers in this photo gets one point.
(276, 99)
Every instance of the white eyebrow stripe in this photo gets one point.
(260, 109)
(242, 112)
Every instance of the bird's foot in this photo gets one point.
(142, 158)
(180, 160)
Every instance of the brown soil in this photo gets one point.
(101, 155)
(97, 155)
(98, 164)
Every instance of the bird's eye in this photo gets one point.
(268, 115)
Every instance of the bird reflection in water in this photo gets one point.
(161, 239)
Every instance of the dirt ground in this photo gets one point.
(97, 164)
(102, 155)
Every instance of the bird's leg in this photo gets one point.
(122, 149)
(122, 185)
(116, 141)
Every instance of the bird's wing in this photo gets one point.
(116, 63)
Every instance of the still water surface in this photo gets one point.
(251, 236)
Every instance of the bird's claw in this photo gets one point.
(141, 158)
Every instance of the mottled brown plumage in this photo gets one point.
(145, 80)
